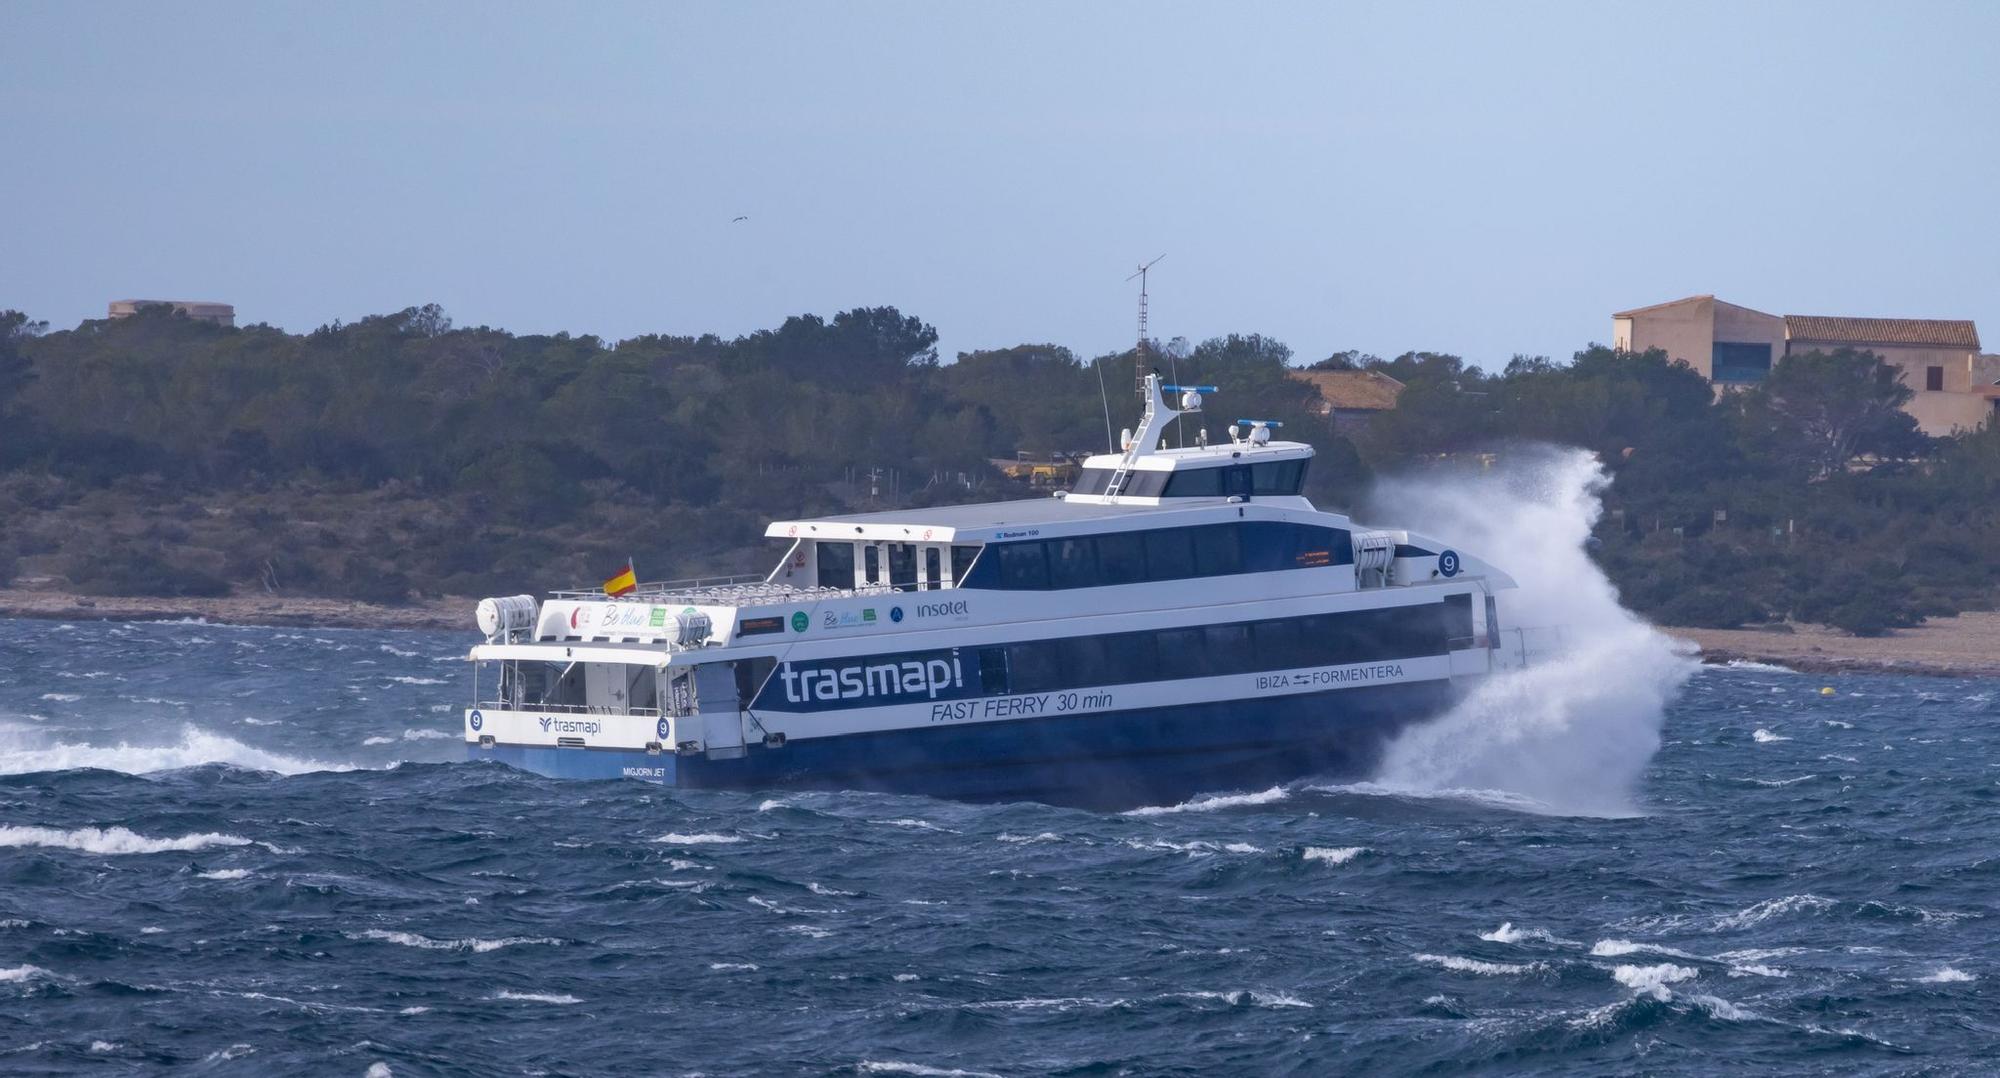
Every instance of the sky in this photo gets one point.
(1479, 179)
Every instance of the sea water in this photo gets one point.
(258, 851)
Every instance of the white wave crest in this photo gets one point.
(428, 734)
(10, 974)
(397, 652)
(1764, 911)
(1652, 980)
(1214, 802)
(405, 680)
(534, 997)
(1762, 668)
(476, 946)
(1507, 933)
(224, 874)
(1573, 731)
(1947, 975)
(917, 1070)
(1766, 737)
(111, 840)
(702, 839)
(1045, 836)
(1247, 997)
(733, 967)
(1620, 948)
(21, 755)
(1334, 855)
(1473, 965)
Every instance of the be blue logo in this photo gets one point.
(1448, 563)
(663, 729)
(895, 613)
(478, 720)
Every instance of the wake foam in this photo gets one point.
(21, 755)
(1473, 965)
(1215, 802)
(1574, 731)
(112, 840)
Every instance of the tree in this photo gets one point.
(1834, 407)
(16, 370)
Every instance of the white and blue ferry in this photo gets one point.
(1184, 619)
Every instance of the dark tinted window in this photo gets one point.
(1236, 481)
(1072, 562)
(1280, 644)
(871, 563)
(933, 567)
(1224, 649)
(1092, 481)
(1130, 657)
(1023, 566)
(993, 671)
(1228, 648)
(1035, 666)
(1181, 653)
(1083, 660)
(903, 565)
(1169, 554)
(1458, 620)
(836, 565)
(1217, 551)
(1145, 484)
(1121, 558)
(1198, 483)
(1277, 476)
(961, 560)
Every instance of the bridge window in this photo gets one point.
(1092, 481)
(1195, 483)
(1278, 477)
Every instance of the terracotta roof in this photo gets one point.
(1944, 332)
(1370, 391)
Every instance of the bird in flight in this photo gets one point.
(743, 217)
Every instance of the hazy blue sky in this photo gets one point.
(1480, 179)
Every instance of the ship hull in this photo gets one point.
(1105, 760)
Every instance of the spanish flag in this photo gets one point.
(625, 581)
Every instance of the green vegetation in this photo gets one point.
(402, 456)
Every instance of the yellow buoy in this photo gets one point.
(1826, 691)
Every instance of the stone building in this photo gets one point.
(222, 314)
(1939, 359)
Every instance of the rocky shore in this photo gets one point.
(1967, 645)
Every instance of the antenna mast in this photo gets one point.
(1139, 364)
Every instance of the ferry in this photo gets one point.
(1181, 620)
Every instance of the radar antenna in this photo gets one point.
(1140, 366)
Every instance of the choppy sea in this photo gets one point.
(258, 851)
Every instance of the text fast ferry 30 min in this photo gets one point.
(1182, 620)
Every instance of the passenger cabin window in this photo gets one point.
(933, 568)
(903, 566)
(1159, 554)
(836, 565)
(871, 559)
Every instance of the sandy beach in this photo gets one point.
(1967, 645)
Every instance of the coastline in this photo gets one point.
(446, 613)
(1966, 645)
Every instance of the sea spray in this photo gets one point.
(1575, 730)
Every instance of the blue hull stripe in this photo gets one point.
(1118, 758)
